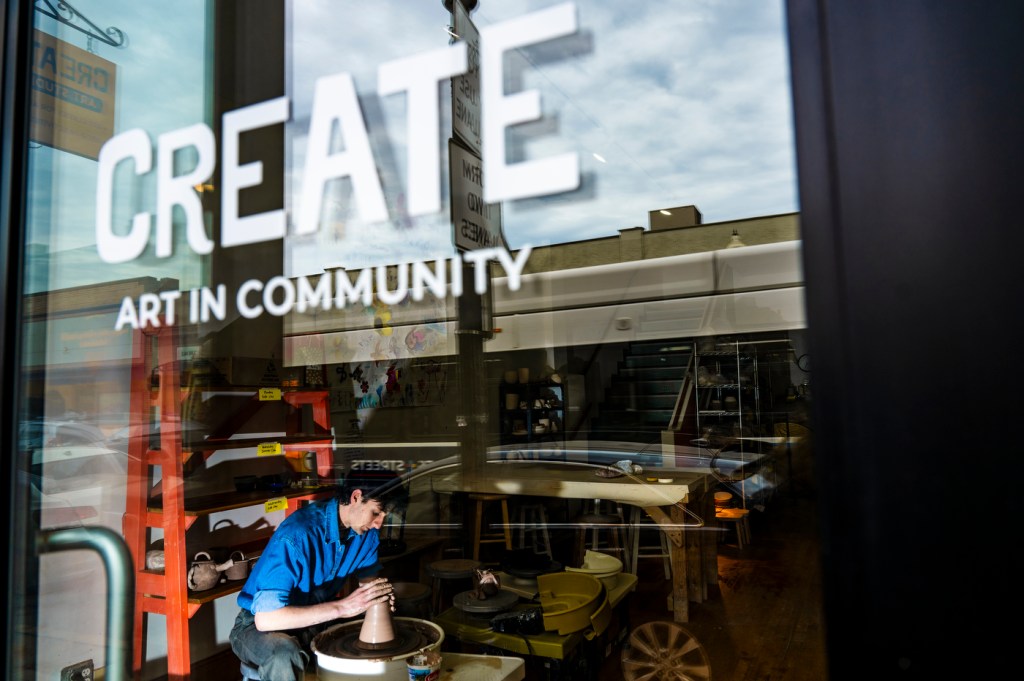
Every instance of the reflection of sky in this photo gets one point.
(686, 102)
(160, 87)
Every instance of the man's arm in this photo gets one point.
(299, 616)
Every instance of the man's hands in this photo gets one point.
(356, 603)
(368, 593)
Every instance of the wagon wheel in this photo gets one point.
(664, 651)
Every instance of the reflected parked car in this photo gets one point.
(77, 478)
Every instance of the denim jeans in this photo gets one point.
(279, 655)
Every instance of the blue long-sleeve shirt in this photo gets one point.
(306, 560)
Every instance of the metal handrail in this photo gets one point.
(120, 587)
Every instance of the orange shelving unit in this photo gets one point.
(164, 505)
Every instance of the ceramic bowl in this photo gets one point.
(600, 565)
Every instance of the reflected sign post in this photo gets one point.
(475, 225)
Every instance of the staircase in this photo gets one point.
(638, 402)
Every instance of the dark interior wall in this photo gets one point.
(908, 118)
(248, 44)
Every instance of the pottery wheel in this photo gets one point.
(408, 638)
(453, 568)
(503, 600)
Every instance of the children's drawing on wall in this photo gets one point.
(308, 351)
(393, 383)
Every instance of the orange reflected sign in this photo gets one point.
(72, 97)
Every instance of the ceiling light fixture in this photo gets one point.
(735, 241)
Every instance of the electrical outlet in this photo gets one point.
(80, 671)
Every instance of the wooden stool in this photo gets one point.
(739, 517)
(448, 571)
(533, 519)
(595, 523)
(480, 537)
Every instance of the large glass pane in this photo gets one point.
(535, 264)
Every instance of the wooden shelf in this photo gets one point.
(226, 501)
(223, 589)
(243, 443)
(532, 392)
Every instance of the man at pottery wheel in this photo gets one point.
(295, 588)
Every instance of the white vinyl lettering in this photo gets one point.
(130, 145)
(213, 306)
(423, 277)
(180, 190)
(479, 258)
(170, 298)
(401, 288)
(338, 147)
(240, 300)
(334, 100)
(149, 310)
(279, 309)
(456, 279)
(308, 296)
(498, 111)
(237, 230)
(420, 75)
(514, 267)
(362, 289)
(282, 295)
(126, 315)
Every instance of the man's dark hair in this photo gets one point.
(383, 486)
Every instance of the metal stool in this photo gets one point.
(448, 571)
(480, 537)
(639, 521)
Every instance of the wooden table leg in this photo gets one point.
(693, 553)
(709, 551)
(680, 572)
(671, 523)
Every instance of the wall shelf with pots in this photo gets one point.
(531, 411)
(734, 412)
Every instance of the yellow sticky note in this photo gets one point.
(278, 504)
(270, 394)
(268, 448)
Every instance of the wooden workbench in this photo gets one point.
(677, 499)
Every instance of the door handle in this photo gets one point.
(120, 587)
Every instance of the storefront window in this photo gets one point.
(533, 257)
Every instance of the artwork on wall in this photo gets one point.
(395, 361)
(387, 383)
(382, 344)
